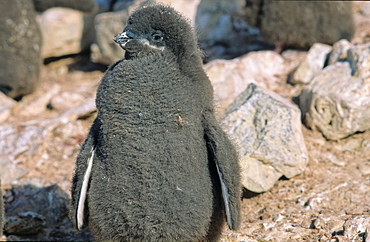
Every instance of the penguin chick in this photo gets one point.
(156, 166)
(300, 24)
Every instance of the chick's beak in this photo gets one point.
(121, 38)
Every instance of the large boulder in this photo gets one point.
(231, 77)
(33, 208)
(337, 102)
(66, 26)
(267, 130)
(20, 46)
(65, 31)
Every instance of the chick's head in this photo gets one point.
(156, 27)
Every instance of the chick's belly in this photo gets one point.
(159, 177)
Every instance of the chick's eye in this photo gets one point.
(157, 37)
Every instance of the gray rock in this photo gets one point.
(50, 202)
(21, 40)
(337, 103)
(20, 44)
(312, 64)
(267, 129)
(24, 223)
(231, 77)
(104, 50)
(33, 225)
(65, 31)
(339, 52)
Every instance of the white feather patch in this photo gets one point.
(225, 192)
(225, 195)
(146, 42)
(82, 199)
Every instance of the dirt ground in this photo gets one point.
(330, 201)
